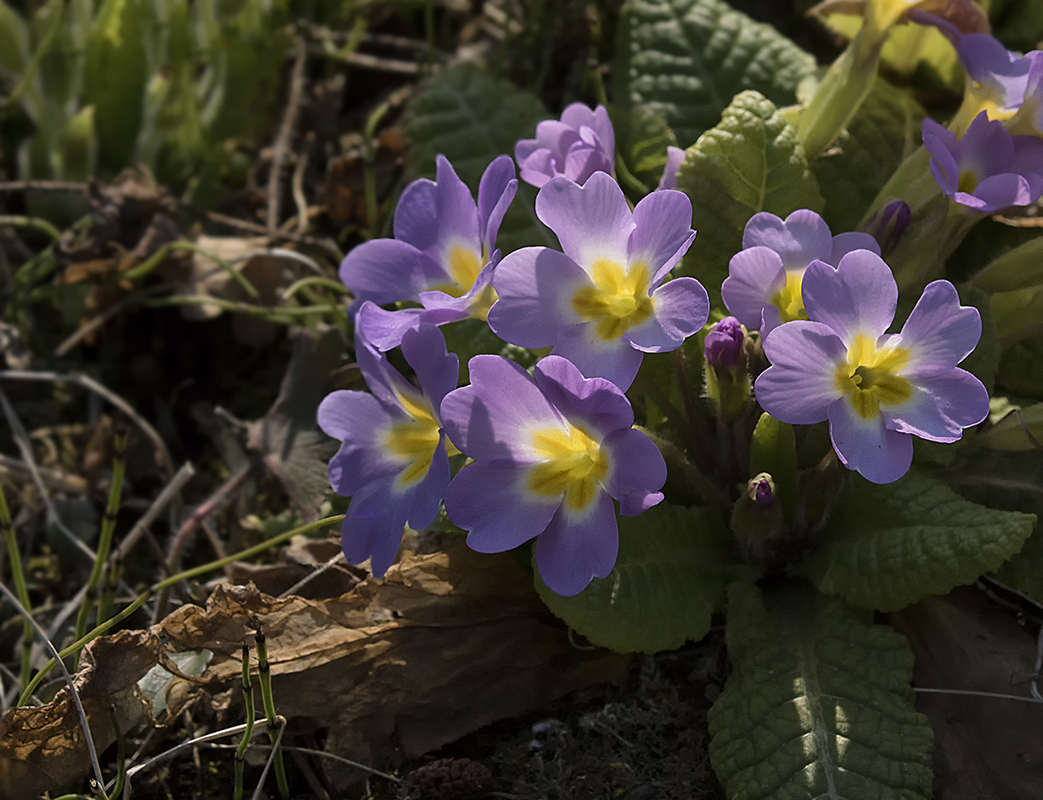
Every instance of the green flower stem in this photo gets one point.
(922, 251)
(11, 541)
(160, 256)
(248, 699)
(911, 182)
(42, 49)
(108, 526)
(242, 555)
(264, 674)
(842, 91)
(36, 223)
(109, 587)
(1019, 268)
(283, 316)
(336, 286)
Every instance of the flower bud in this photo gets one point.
(757, 515)
(888, 224)
(724, 344)
(726, 369)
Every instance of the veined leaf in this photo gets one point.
(882, 133)
(669, 579)
(642, 137)
(819, 704)
(686, 59)
(750, 162)
(471, 117)
(888, 546)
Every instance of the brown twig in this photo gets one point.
(282, 141)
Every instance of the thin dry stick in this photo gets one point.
(272, 756)
(282, 141)
(98, 321)
(320, 754)
(298, 192)
(68, 679)
(173, 751)
(141, 526)
(22, 440)
(312, 576)
(92, 385)
(212, 505)
(974, 693)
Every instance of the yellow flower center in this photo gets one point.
(575, 466)
(415, 440)
(870, 377)
(618, 300)
(788, 300)
(464, 265)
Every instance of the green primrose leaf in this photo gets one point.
(642, 137)
(115, 77)
(750, 162)
(1011, 480)
(1021, 369)
(882, 133)
(669, 579)
(818, 704)
(471, 117)
(78, 147)
(888, 546)
(1021, 429)
(686, 59)
(14, 41)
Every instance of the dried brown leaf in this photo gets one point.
(44, 748)
(986, 748)
(443, 645)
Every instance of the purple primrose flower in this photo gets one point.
(674, 160)
(550, 455)
(988, 169)
(876, 390)
(997, 79)
(580, 144)
(442, 255)
(392, 461)
(602, 302)
(763, 285)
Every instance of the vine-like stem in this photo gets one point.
(264, 674)
(19, 583)
(248, 699)
(108, 527)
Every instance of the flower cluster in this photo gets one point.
(554, 454)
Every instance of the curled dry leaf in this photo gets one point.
(443, 645)
(44, 748)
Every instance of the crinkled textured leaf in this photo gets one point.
(891, 545)
(686, 59)
(1024, 571)
(750, 162)
(642, 137)
(471, 117)
(882, 133)
(116, 73)
(668, 581)
(818, 704)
